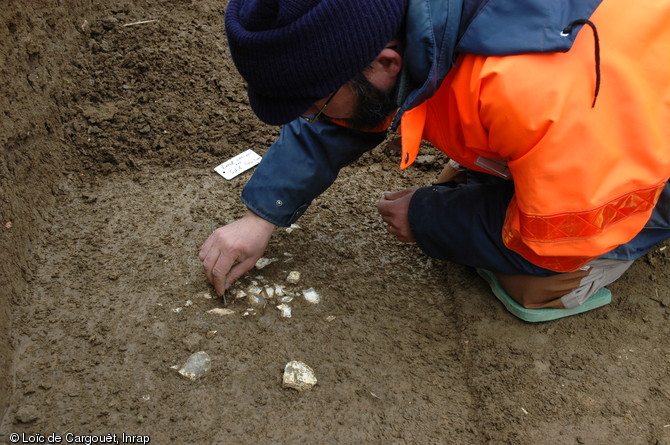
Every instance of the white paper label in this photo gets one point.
(239, 164)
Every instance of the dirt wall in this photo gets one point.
(36, 70)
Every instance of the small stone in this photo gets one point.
(254, 290)
(292, 228)
(293, 277)
(256, 301)
(285, 310)
(311, 296)
(221, 311)
(298, 376)
(196, 366)
(264, 262)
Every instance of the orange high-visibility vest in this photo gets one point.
(586, 178)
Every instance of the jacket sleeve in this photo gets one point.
(301, 165)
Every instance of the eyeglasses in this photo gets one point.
(314, 117)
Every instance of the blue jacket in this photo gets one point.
(306, 158)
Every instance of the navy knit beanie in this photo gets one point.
(294, 52)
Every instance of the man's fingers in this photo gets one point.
(204, 249)
(221, 273)
(209, 259)
(384, 207)
(398, 194)
(217, 264)
(239, 269)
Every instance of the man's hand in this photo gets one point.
(393, 208)
(232, 250)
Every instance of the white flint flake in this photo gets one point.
(298, 376)
(285, 310)
(263, 262)
(311, 296)
(196, 365)
(256, 300)
(220, 311)
(254, 290)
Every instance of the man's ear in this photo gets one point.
(384, 70)
(390, 60)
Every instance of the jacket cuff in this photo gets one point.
(274, 214)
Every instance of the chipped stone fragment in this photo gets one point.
(264, 262)
(196, 366)
(285, 310)
(254, 290)
(298, 376)
(221, 311)
(311, 296)
(256, 301)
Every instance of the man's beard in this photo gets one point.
(373, 106)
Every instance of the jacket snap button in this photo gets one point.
(279, 203)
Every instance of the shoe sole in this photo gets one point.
(601, 298)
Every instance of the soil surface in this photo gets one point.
(114, 117)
